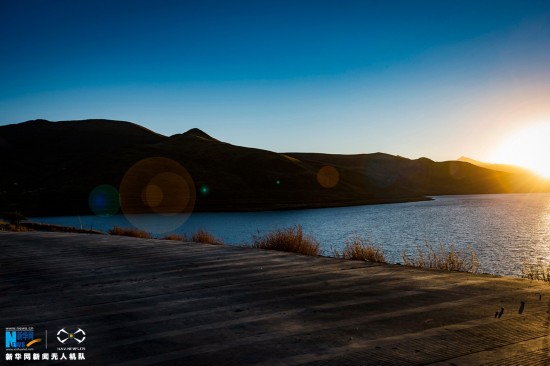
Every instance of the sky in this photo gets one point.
(436, 79)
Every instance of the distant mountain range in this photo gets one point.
(53, 168)
(500, 167)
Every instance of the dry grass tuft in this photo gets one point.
(175, 237)
(288, 240)
(14, 217)
(539, 271)
(12, 227)
(203, 236)
(36, 226)
(359, 249)
(443, 257)
(136, 233)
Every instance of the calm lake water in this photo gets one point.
(504, 230)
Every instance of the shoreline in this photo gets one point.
(30, 226)
(308, 206)
(267, 207)
(221, 207)
(241, 228)
(33, 227)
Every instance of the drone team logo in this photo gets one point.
(78, 336)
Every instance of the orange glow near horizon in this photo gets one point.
(528, 148)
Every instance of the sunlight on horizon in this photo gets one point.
(528, 148)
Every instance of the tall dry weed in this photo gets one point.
(360, 249)
(203, 236)
(175, 237)
(288, 240)
(445, 257)
(539, 271)
(133, 232)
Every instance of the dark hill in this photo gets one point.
(398, 175)
(50, 168)
(195, 132)
(76, 136)
(47, 164)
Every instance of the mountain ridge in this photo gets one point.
(508, 168)
(198, 133)
(51, 168)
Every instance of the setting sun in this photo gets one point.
(528, 148)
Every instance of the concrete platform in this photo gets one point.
(154, 302)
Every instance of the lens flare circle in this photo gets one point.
(152, 195)
(157, 195)
(104, 200)
(204, 190)
(328, 176)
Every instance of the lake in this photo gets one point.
(505, 230)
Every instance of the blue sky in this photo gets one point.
(438, 79)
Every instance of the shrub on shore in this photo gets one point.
(443, 257)
(288, 240)
(14, 217)
(539, 271)
(133, 232)
(203, 236)
(359, 249)
(175, 237)
(36, 226)
(13, 228)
